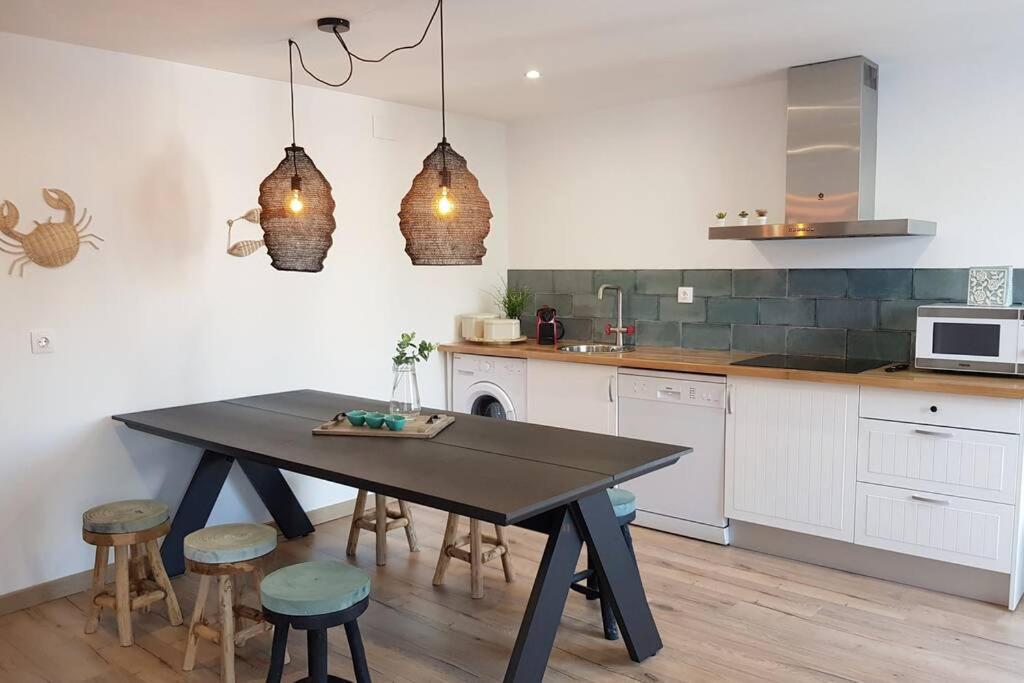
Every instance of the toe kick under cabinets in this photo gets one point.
(935, 476)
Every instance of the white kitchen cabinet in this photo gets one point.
(572, 395)
(791, 455)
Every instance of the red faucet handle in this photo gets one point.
(630, 330)
(608, 329)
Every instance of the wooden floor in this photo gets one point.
(724, 614)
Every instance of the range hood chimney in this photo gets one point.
(832, 137)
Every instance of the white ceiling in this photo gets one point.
(592, 53)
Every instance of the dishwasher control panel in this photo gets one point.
(670, 390)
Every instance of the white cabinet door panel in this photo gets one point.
(791, 455)
(969, 532)
(572, 395)
(957, 462)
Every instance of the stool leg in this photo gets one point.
(156, 563)
(444, 559)
(227, 629)
(506, 557)
(476, 564)
(355, 647)
(611, 628)
(382, 529)
(410, 530)
(122, 596)
(592, 581)
(99, 580)
(316, 653)
(278, 654)
(357, 516)
(192, 643)
(629, 539)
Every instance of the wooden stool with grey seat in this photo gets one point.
(231, 553)
(586, 581)
(380, 523)
(476, 556)
(313, 597)
(128, 526)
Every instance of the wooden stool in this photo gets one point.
(476, 556)
(229, 552)
(313, 597)
(624, 506)
(383, 521)
(139, 580)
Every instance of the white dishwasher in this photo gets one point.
(687, 498)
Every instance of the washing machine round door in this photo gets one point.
(489, 400)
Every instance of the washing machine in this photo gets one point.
(489, 386)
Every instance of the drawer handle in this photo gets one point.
(926, 499)
(934, 432)
(934, 409)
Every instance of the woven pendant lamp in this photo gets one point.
(445, 217)
(296, 206)
(436, 239)
(297, 234)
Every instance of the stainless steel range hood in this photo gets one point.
(832, 120)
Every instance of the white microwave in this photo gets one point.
(970, 338)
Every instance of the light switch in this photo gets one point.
(685, 295)
(42, 341)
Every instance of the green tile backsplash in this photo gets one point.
(864, 312)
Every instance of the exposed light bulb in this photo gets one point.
(295, 203)
(445, 204)
(532, 74)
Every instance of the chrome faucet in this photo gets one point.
(619, 328)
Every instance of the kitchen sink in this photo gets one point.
(595, 348)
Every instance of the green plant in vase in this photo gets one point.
(405, 391)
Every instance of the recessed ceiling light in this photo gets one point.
(532, 74)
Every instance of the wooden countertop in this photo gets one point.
(718, 363)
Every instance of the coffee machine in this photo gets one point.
(549, 328)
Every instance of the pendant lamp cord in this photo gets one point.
(444, 123)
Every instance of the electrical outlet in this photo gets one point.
(42, 341)
(685, 295)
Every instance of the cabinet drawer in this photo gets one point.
(969, 412)
(959, 530)
(957, 462)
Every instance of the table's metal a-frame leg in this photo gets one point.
(589, 520)
(201, 495)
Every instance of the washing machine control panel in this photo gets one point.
(490, 367)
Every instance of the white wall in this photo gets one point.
(637, 186)
(161, 154)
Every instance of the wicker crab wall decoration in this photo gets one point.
(245, 247)
(49, 244)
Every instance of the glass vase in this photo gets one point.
(405, 392)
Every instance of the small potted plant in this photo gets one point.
(720, 217)
(512, 301)
(762, 216)
(405, 391)
(743, 217)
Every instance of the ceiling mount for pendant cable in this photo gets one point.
(333, 25)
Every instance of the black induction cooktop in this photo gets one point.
(818, 363)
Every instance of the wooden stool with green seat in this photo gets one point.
(139, 580)
(624, 506)
(313, 597)
(229, 552)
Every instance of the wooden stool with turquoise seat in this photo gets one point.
(313, 597)
(586, 582)
(131, 528)
(230, 552)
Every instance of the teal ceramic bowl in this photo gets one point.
(356, 418)
(374, 420)
(395, 422)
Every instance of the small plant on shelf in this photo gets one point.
(762, 215)
(511, 299)
(743, 217)
(720, 217)
(408, 352)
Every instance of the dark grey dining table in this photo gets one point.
(549, 480)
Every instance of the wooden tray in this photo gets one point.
(481, 340)
(414, 429)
